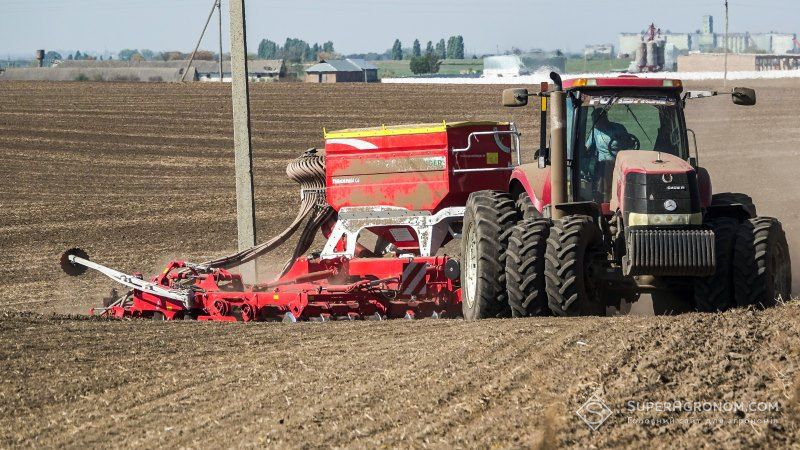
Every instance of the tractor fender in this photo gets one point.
(529, 178)
(731, 204)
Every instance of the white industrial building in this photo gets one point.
(706, 40)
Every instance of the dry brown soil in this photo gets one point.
(138, 174)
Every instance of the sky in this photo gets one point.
(369, 25)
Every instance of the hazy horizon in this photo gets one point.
(360, 26)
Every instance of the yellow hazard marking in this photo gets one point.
(275, 297)
(492, 158)
(544, 103)
(399, 130)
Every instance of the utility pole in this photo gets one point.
(219, 10)
(725, 76)
(245, 198)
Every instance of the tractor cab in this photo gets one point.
(605, 117)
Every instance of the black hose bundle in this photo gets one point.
(309, 171)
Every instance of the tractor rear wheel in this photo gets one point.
(525, 268)
(488, 219)
(573, 243)
(762, 267)
(715, 293)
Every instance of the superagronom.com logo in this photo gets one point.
(594, 412)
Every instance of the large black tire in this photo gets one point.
(570, 248)
(762, 266)
(734, 198)
(488, 220)
(525, 268)
(715, 293)
(526, 208)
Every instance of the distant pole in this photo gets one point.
(725, 76)
(219, 10)
(240, 89)
(194, 52)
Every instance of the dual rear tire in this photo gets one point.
(529, 268)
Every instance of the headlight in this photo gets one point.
(643, 220)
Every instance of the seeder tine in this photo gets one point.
(289, 318)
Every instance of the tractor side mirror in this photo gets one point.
(744, 96)
(542, 157)
(516, 97)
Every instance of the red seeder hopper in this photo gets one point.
(386, 199)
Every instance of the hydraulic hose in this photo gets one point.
(309, 171)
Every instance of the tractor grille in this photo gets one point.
(670, 252)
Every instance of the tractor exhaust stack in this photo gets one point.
(558, 146)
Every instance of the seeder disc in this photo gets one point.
(71, 268)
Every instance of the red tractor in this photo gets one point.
(616, 206)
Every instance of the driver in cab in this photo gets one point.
(606, 139)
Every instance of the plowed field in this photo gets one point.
(138, 174)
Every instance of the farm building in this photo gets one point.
(259, 70)
(714, 62)
(342, 71)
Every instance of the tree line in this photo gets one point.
(429, 61)
(296, 50)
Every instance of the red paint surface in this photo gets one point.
(425, 189)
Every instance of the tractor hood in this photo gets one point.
(653, 184)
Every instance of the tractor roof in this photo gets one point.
(623, 81)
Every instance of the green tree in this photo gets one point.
(441, 49)
(147, 54)
(459, 47)
(416, 50)
(315, 50)
(397, 50)
(297, 51)
(126, 54)
(52, 56)
(267, 49)
(425, 64)
(328, 47)
(455, 47)
(429, 48)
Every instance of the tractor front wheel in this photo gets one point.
(715, 293)
(762, 267)
(573, 243)
(488, 219)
